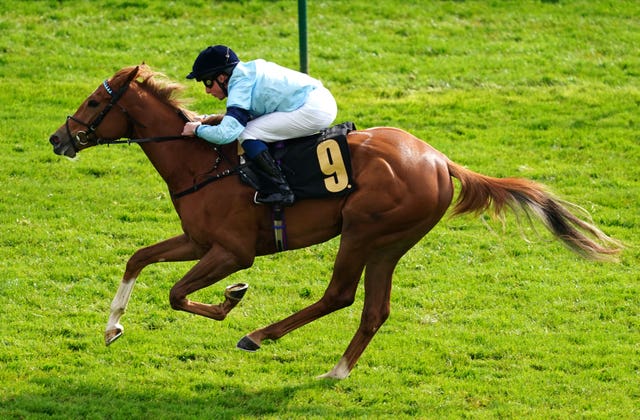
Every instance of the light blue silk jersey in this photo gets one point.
(258, 87)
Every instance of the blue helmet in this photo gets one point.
(212, 61)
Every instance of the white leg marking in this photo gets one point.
(340, 371)
(119, 304)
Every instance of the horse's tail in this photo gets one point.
(480, 193)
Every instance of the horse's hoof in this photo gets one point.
(340, 371)
(112, 335)
(247, 344)
(331, 376)
(236, 291)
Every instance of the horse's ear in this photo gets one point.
(144, 72)
(133, 74)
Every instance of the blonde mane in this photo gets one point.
(157, 84)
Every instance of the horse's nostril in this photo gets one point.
(54, 140)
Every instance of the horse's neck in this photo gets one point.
(178, 161)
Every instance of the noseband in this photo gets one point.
(82, 138)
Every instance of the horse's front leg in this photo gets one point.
(215, 265)
(179, 248)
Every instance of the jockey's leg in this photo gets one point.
(258, 152)
(318, 111)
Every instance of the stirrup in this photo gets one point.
(284, 200)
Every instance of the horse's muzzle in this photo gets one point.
(60, 147)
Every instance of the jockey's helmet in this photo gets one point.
(212, 61)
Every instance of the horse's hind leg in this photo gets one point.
(179, 248)
(339, 294)
(377, 286)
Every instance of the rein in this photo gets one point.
(195, 187)
(84, 137)
(107, 142)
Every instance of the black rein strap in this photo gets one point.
(115, 97)
(139, 141)
(195, 187)
(206, 182)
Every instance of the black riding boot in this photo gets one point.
(272, 172)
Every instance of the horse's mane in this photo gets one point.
(157, 84)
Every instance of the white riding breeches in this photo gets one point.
(317, 113)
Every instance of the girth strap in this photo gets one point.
(279, 228)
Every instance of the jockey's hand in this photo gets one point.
(189, 128)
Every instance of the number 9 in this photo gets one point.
(332, 165)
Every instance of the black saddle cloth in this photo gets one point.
(315, 166)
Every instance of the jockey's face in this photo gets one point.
(215, 86)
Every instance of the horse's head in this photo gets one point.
(99, 118)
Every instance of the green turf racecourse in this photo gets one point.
(487, 320)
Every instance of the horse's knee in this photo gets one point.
(139, 259)
(335, 301)
(372, 320)
(176, 298)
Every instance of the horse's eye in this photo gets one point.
(93, 103)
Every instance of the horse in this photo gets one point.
(404, 188)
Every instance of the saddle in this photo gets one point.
(315, 166)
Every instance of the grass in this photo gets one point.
(484, 324)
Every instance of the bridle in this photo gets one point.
(83, 138)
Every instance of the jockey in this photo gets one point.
(265, 103)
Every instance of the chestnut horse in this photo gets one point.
(403, 188)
